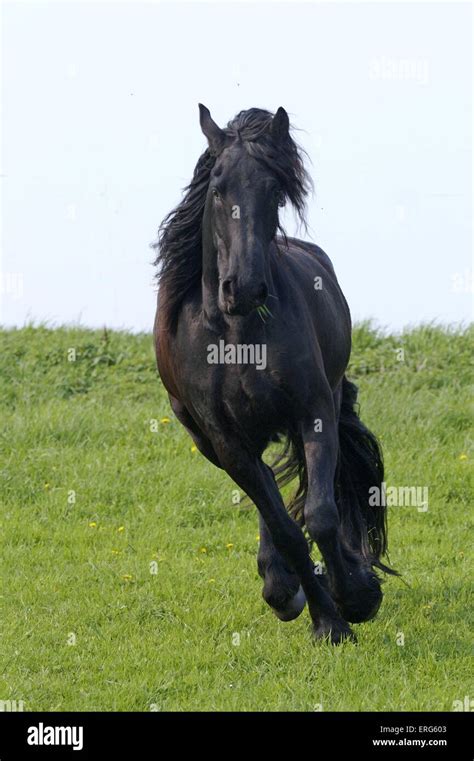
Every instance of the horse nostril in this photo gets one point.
(262, 293)
(227, 287)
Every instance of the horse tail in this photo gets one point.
(359, 469)
(290, 464)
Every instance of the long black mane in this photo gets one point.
(179, 246)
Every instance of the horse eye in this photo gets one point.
(280, 197)
(215, 192)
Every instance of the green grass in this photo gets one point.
(165, 640)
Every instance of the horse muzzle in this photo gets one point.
(238, 300)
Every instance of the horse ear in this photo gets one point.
(280, 126)
(216, 136)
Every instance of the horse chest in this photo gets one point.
(254, 397)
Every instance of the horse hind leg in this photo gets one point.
(352, 582)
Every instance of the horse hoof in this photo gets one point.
(363, 601)
(293, 609)
(334, 632)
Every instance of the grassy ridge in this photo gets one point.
(130, 580)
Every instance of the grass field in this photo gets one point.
(129, 574)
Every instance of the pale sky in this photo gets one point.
(100, 133)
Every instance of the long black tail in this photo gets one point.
(360, 467)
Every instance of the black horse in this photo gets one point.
(253, 337)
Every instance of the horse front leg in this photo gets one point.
(187, 421)
(282, 590)
(257, 480)
(353, 584)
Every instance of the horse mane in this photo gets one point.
(179, 242)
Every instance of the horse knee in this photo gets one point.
(322, 524)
